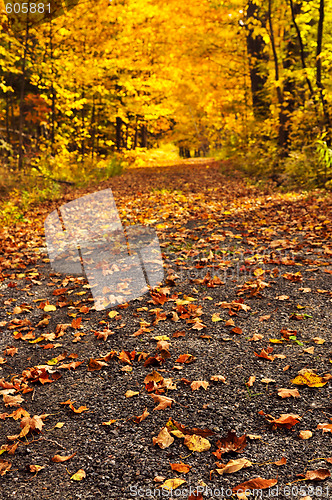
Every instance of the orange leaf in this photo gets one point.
(256, 483)
(76, 323)
(59, 458)
(181, 467)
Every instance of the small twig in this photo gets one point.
(54, 442)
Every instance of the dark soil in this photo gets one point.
(196, 211)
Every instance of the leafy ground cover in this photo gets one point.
(216, 382)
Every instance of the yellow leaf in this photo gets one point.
(59, 425)
(197, 443)
(112, 314)
(130, 394)
(216, 317)
(173, 483)
(49, 307)
(310, 379)
(36, 340)
(110, 422)
(53, 361)
(79, 475)
(161, 337)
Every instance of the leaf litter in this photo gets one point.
(210, 420)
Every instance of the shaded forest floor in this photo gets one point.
(244, 307)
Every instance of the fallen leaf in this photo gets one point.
(230, 443)
(130, 394)
(256, 483)
(325, 427)
(310, 379)
(287, 393)
(218, 378)
(317, 475)
(305, 434)
(196, 443)
(164, 439)
(181, 467)
(234, 466)
(163, 401)
(59, 458)
(185, 358)
(142, 417)
(95, 365)
(12, 400)
(196, 384)
(172, 484)
(4, 467)
(318, 340)
(49, 307)
(79, 475)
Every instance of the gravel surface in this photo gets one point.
(261, 248)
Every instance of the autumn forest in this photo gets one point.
(93, 81)
(165, 249)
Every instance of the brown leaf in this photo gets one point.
(230, 443)
(218, 378)
(4, 467)
(256, 483)
(285, 420)
(185, 430)
(317, 475)
(251, 381)
(76, 323)
(12, 400)
(164, 439)
(325, 427)
(95, 365)
(196, 384)
(163, 401)
(59, 458)
(10, 351)
(142, 417)
(282, 461)
(265, 353)
(287, 393)
(179, 334)
(185, 358)
(233, 466)
(265, 318)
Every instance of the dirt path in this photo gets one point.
(244, 307)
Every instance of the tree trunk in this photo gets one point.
(21, 115)
(319, 68)
(144, 136)
(118, 133)
(258, 60)
(282, 136)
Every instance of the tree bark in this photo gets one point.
(258, 59)
(282, 137)
(118, 133)
(21, 115)
(319, 68)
